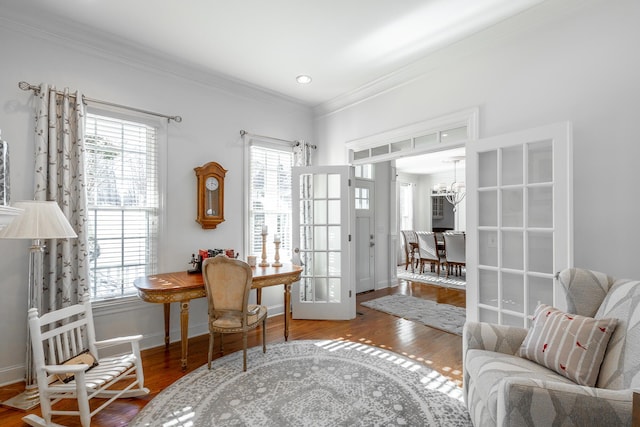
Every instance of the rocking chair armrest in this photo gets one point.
(66, 369)
(118, 341)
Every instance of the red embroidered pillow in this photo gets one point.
(570, 344)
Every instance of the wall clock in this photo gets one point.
(210, 194)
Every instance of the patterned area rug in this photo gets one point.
(457, 282)
(446, 317)
(309, 383)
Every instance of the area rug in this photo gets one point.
(309, 383)
(457, 282)
(446, 317)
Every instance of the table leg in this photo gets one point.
(184, 332)
(258, 296)
(287, 310)
(167, 315)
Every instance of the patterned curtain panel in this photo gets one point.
(302, 155)
(59, 176)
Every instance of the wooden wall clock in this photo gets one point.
(210, 194)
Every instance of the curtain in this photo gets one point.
(302, 155)
(59, 176)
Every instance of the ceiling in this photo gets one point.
(344, 45)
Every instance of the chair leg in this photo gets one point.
(244, 351)
(210, 350)
(264, 335)
(83, 401)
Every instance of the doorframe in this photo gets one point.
(468, 118)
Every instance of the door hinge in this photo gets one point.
(349, 294)
(349, 182)
(349, 237)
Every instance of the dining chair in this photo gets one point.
(410, 248)
(428, 250)
(71, 365)
(454, 248)
(227, 285)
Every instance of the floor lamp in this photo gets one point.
(39, 221)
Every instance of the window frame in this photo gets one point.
(126, 303)
(274, 144)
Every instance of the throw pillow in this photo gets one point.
(570, 344)
(84, 357)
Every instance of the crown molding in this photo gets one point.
(443, 56)
(113, 48)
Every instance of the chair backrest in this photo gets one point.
(454, 246)
(227, 284)
(595, 294)
(427, 246)
(59, 335)
(409, 236)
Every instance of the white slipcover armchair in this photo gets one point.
(503, 389)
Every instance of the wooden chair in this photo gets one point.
(227, 284)
(428, 250)
(68, 365)
(454, 246)
(410, 248)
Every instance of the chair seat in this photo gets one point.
(488, 369)
(108, 368)
(233, 320)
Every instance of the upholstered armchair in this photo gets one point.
(501, 388)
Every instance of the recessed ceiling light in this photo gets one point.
(303, 79)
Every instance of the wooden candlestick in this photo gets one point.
(264, 262)
(277, 257)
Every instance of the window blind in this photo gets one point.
(123, 203)
(270, 199)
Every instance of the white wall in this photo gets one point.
(578, 64)
(213, 111)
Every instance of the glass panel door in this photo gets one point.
(519, 219)
(322, 230)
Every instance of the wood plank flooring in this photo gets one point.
(438, 350)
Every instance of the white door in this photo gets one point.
(519, 222)
(323, 226)
(365, 235)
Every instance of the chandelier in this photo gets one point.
(455, 192)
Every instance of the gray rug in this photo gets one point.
(309, 383)
(456, 282)
(446, 317)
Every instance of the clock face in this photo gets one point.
(212, 183)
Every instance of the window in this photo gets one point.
(406, 206)
(270, 199)
(123, 203)
(364, 171)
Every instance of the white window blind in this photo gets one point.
(123, 203)
(270, 200)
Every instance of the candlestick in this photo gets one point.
(277, 263)
(264, 262)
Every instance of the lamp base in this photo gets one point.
(25, 401)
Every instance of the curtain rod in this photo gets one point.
(295, 143)
(36, 89)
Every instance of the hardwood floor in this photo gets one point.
(438, 350)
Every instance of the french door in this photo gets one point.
(519, 222)
(323, 228)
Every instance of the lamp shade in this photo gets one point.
(40, 220)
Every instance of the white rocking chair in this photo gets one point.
(59, 336)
